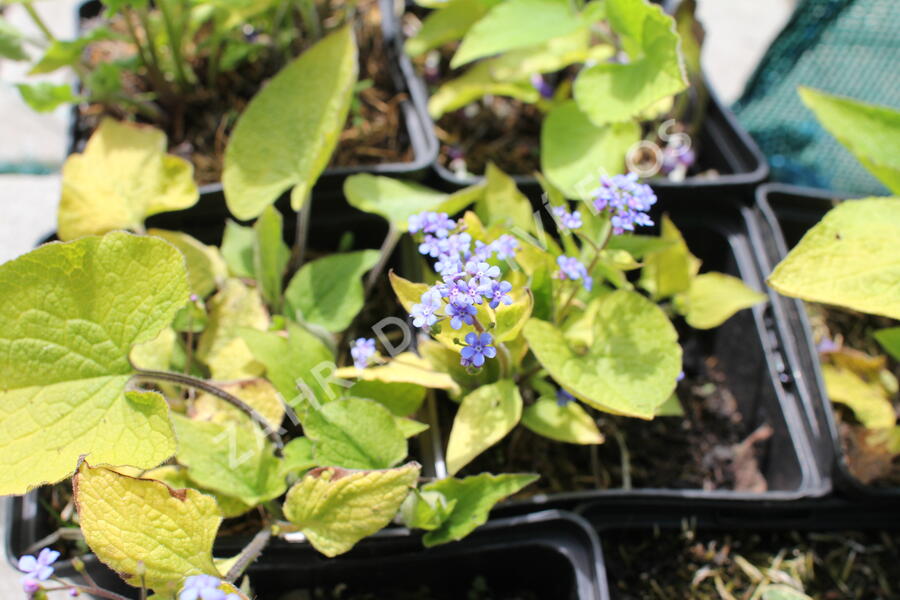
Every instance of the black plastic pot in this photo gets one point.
(622, 526)
(748, 353)
(785, 213)
(723, 145)
(552, 555)
(416, 122)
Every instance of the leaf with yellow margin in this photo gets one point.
(123, 176)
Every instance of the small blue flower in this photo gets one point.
(568, 220)
(479, 347)
(505, 246)
(461, 312)
(496, 292)
(483, 252)
(425, 313)
(430, 246)
(543, 88)
(449, 267)
(456, 245)
(563, 397)
(362, 350)
(482, 270)
(572, 268)
(204, 587)
(439, 224)
(37, 569)
(827, 345)
(468, 292)
(626, 200)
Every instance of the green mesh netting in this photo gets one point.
(846, 47)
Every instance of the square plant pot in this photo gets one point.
(544, 556)
(655, 550)
(784, 214)
(415, 128)
(750, 394)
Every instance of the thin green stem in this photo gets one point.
(93, 590)
(38, 21)
(310, 18)
(193, 382)
(387, 248)
(625, 458)
(298, 252)
(175, 41)
(250, 553)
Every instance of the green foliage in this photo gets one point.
(714, 297)
(889, 338)
(848, 259)
(45, 96)
(484, 418)
(285, 136)
(448, 23)
(568, 423)
(869, 131)
(270, 255)
(11, 46)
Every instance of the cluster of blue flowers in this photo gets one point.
(626, 200)
(567, 220)
(362, 350)
(204, 587)
(468, 279)
(37, 569)
(572, 268)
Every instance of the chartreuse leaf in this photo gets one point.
(270, 255)
(404, 368)
(353, 433)
(869, 131)
(176, 477)
(11, 46)
(869, 401)
(45, 96)
(69, 318)
(551, 56)
(574, 151)
(615, 92)
(205, 266)
(713, 298)
(285, 136)
(397, 200)
(237, 249)
(448, 23)
(296, 364)
(474, 497)
(335, 508)
(157, 353)
(516, 24)
(502, 204)
(671, 407)
(476, 82)
(258, 394)
(232, 458)
(848, 259)
(630, 368)
(123, 177)
(669, 271)
(889, 338)
(402, 399)
(564, 423)
(328, 291)
(298, 456)
(134, 523)
(511, 318)
(774, 591)
(483, 419)
(409, 427)
(235, 308)
(425, 510)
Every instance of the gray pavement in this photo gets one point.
(738, 33)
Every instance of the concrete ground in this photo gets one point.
(738, 33)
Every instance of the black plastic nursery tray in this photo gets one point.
(416, 124)
(648, 544)
(785, 213)
(544, 556)
(750, 362)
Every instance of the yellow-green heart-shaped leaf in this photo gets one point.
(484, 418)
(713, 298)
(568, 423)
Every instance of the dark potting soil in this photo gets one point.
(674, 565)
(478, 589)
(198, 125)
(867, 457)
(710, 448)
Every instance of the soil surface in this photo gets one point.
(673, 565)
(711, 447)
(198, 125)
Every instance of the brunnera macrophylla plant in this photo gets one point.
(530, 328)
(849, 260)
(598, 71)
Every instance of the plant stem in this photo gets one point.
(310, 19)
(190, 381)
(298, 252)
(625, 457)
(250, 553)
(505, 359)
(93, 590)
(387, 248)
(156, 76)
(38, 21)
(175, 41)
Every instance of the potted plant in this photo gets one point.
(570, 90)
(555, 344)
(845, 335)
(191, 69)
